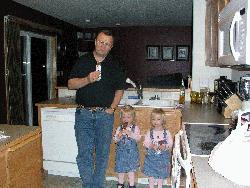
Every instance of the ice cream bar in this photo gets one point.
(99, 68)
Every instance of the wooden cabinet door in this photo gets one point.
(173, 123)
(3, 173)
(24, 163)
(143, 117)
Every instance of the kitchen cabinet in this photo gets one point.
(173, 123)
(213, 8)
(21, 157)
(3, 171)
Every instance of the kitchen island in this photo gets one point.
(56, 118)
(191, 113)
(20, 156)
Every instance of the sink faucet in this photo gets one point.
(140, 91)
(138, 88)
(129, 81)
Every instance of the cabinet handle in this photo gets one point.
(236, 18)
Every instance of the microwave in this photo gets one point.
(234, 34)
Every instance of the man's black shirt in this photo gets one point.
(100, 93)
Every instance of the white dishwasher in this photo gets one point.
(58, 141)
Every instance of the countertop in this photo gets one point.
(133, 89)
(63, 102)
(16, 132)
(206, 177)
(202, 113)
(69, 102)
(192, 113)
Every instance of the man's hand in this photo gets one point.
(93, 76)
(109, 111)
(76, 83)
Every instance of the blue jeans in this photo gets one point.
(93, 131)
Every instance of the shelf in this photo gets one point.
(85, 45)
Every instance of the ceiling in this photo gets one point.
(111, 13)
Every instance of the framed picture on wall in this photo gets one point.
(87, 36)
(153, 52)
(182, 53)
(93, 36)
(167, 53)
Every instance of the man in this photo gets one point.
(98, 94)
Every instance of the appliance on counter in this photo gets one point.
(243, 91)
(223, 89)
(244, 87)
(234, 34)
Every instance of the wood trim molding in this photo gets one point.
(33, 25)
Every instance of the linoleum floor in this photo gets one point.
(52, 181)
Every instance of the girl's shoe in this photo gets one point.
(119, 185)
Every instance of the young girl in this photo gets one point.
(158, 143)
(127, 154)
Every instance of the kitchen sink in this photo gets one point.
(150, 103)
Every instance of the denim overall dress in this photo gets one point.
(127, 154)
(156, 163)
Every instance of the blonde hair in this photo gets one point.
(158, 111)
(128, 109)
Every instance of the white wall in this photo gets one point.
(203, 75)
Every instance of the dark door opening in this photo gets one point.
(39, 74)
(35, 76)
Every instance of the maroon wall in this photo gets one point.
(9, 7)
(134, 41)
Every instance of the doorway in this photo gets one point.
(30, 57)
(36, 58)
